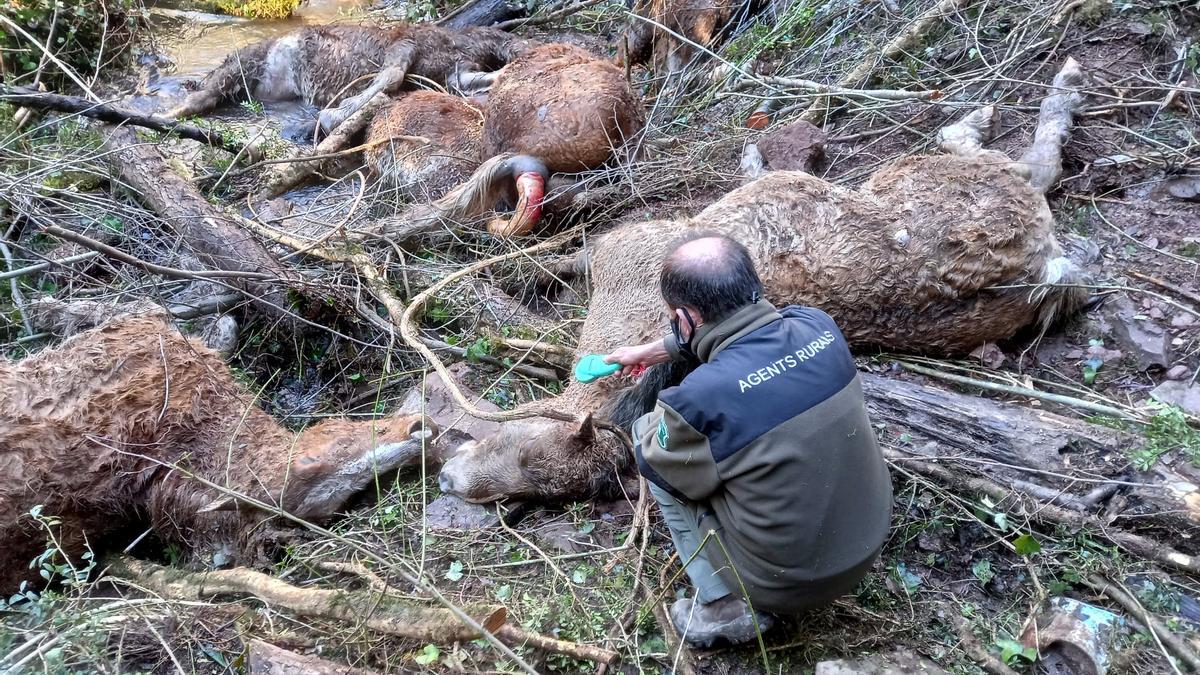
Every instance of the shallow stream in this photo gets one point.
(197, 41)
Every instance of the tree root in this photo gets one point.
(376, 610)
(380, 612)
(1156, 628)
(408, 330)
(1049, 513)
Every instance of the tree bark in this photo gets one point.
(1036, 457)
(113, 114)
(214, 235)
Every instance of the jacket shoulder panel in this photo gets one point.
(764, 379)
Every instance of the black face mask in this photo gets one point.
(685, 346)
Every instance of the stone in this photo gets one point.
(989, 355)
(562, 536)
(267, 659)
(1187, 188)
(1183, 320)
(221, 336)
(1144, 340)
(451, 513)
(1179, 372)
(798, 146)
(436, 402)
(899, 661)
(1182, 394)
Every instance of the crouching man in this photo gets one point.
(762, 460)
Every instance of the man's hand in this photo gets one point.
(643, 356)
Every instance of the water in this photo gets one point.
(196, 42)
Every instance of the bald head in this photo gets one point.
(710, 273)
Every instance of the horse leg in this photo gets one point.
(387, 81)
(1043, 159)
(967, 136)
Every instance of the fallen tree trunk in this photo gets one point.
(1037, 459)
(214, 235)
(113, 114)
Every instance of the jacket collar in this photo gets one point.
(711, 338)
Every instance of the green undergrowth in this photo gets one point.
(1168, 430)
(84, 36)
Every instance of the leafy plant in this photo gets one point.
(480, 348)
(1012, 651)
(253, 106)
(983, 571)
(259, 9)
(428, 655)
(85, 35)
(1027, 545)
(1168, 430)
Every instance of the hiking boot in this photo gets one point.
(728, 619)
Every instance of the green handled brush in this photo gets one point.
(592, 367)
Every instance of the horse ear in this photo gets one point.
(587, 430)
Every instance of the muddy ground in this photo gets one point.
(948, 584)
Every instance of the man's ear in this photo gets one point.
(586, 432)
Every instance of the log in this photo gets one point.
(1007, 450)
(114, 114)
(214, 235)
(983, 427)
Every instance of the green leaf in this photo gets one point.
(1001, 520)
(1011, 650)
(504, 592)
(455, 572)
(479, 348)
(428, 655)
(1027, 545)
(983, 571)
(587, 528)
(580, 575)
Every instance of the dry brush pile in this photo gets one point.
(99, 220)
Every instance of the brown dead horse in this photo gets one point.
(934, 254)
(99, 432)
